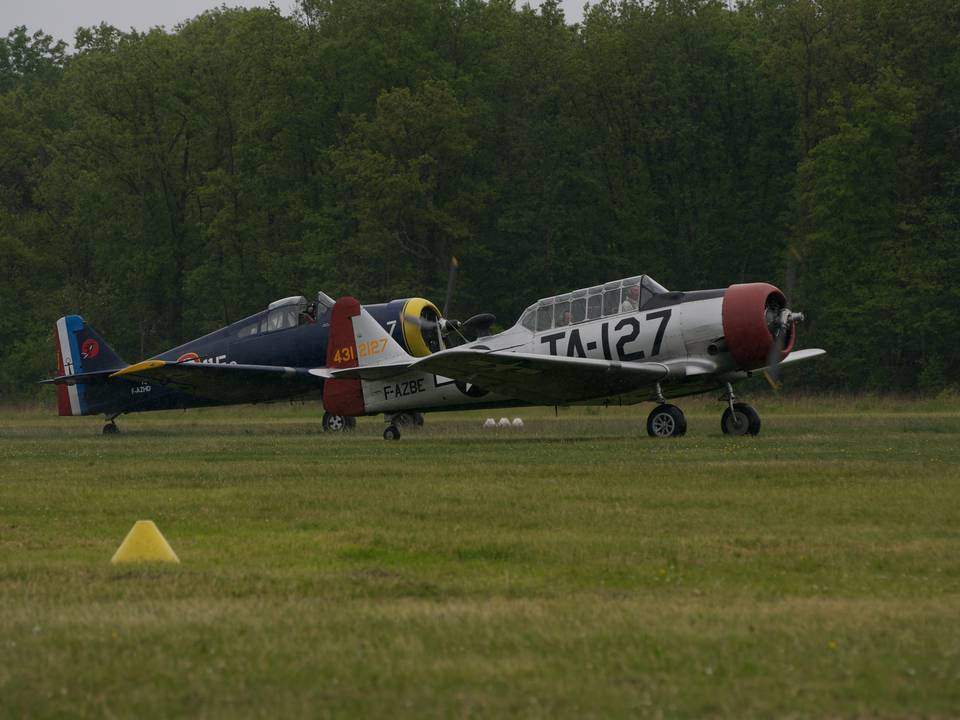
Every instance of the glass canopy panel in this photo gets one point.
(578, 310)
(529, 319)
(611, 301)
(594, 302)
(611, 298)
(561, 311)
(630, 296)
(545, 316)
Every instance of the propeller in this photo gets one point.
(781, 321)
(451, 281)
(468, 330)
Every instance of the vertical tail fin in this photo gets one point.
(80, 349)
(356, 340)
(343, 397)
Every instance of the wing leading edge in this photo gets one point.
(224, 382)
(533, 378)
(542, 378)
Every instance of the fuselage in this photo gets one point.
(682, 331)
(281, 335)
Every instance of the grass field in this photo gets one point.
(574, 568)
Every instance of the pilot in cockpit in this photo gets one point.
(309, 314)
(631, 300)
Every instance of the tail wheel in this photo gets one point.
(742, 420)
(338, 423)
(666, 421)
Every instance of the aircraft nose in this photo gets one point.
(749, 313)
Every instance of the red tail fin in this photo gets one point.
(343, 397)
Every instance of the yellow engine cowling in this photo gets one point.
(420, 320)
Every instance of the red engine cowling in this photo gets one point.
(749, 314)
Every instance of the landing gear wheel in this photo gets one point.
(666, 421)
(744, 420)
(412, 420)
(391, 433)
(338, 423)
(110, 428)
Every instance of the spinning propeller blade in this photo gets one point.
(782, 324)
(466, 329)
(451, 280)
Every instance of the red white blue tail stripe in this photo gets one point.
(71, 398)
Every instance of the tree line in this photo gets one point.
(164, 183)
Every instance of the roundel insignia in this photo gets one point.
(474, 391)
(89, 349)
(188, 357)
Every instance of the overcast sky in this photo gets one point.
(61, 18)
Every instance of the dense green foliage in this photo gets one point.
(162, 184)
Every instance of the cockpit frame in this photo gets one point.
(284, 314)
(612, 298)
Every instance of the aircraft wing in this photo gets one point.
(541, 379)
(801, 355)
(224, 382)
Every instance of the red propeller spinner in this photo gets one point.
(754, 315)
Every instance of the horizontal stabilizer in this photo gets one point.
(371, 372)
(78, 378)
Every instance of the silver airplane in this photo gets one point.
(621, 343)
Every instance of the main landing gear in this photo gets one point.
(668, 420)
(738, 418)
(338, 423)
(412, 420)
(665, 420)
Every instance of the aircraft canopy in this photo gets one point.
(612, 298)
(288, 312)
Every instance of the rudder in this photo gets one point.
(80, 350)
(343, 397)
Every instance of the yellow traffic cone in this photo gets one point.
(144, 543)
